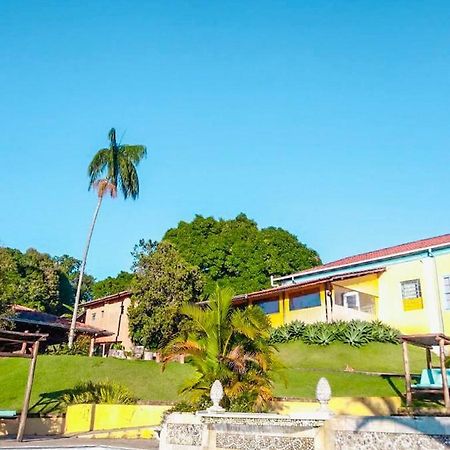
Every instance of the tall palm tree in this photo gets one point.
(111, 169)
(231, 345)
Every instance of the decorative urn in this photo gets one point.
(216, 395)
(323, 393)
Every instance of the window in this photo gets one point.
(411, 289)
(269, 306)
(305, 301)
(351, 300)
(93, 316)
(446, 292)
(411, 295)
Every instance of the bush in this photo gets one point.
(80, 347)
(355, 333)
(99, 392)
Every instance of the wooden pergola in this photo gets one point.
(427, 342)
(14, 344)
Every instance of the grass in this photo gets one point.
(304, 366)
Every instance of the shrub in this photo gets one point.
(319, 333)
(355, 333)
(80, 347)
(99, 392)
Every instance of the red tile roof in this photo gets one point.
(108, 299)
(410, 247)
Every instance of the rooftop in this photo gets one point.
(108, 299)
(384, 253)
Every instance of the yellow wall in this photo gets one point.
(108, 417)
(390, 308)
(307, 315)
(83, 418)
(367, 284)
(349, 406)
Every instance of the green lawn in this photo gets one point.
(304, 366)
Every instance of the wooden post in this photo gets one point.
(428, 358)
(26, 401)
(407, 374)
(444, 374)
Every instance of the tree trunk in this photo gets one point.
(80, 278)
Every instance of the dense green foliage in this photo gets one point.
(236, 253)
(230, 345)
(38, 281)
(305, 364)
(112, 285)
(163, 282)
(355, 333)
(98, 392)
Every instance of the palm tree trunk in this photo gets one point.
(80, 278)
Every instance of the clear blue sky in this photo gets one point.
(327, 118)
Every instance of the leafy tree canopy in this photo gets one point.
(112, 285)
(37, 280)
(163, 282)
(236, 253)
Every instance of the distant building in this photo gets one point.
(406, 286)
(33, 321)
(110, 313)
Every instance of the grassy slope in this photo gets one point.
(145, 379)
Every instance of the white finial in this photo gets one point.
(323, 393)
(216, 395)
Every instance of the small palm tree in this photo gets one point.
(231, 345)
(111, 169)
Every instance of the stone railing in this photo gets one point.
(316, 430)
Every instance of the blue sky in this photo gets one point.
(327, 118)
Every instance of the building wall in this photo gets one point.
(307, 315)
(106, 316)
(424, 315)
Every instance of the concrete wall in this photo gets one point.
(36, 426)
(83, 418)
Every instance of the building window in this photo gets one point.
(447, 292)
(269, 306)
(103, 313)
(93, 316)
(351, 300)
(411, 295)
(311, 300)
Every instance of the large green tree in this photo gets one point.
(37, 280)
(237, 253)
(112, 285)
(112, 169)
(163, 282)
(231, 345)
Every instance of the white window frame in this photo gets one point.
(351, 294)
(409, 281)
(445, 304)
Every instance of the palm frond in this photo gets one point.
(134, 153)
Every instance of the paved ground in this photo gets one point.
(61, 442)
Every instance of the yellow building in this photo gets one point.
(406, 286)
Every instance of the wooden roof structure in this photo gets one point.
(14, 344)
(426, 341)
